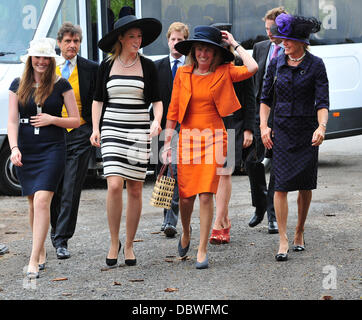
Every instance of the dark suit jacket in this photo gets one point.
(260, 54)
(245, 92)
(87, 74)
(165, 81)
(244, 118)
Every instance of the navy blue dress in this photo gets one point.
(300, 92)
(43, 155)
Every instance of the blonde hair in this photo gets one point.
(116, 51)
(216, 61)
(180, 27)
(27, 80)
(117, 47)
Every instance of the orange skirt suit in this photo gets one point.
(198, 103)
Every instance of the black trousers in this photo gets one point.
(65, 203)
(262, 197)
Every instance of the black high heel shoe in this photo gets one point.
(130, 262)
(42, 265)
(282, 256)
(32, 275)
(299, 248)
(112, 263)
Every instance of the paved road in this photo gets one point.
(243, 269)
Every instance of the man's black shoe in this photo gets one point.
(273, 227)
(257, 217)
(63, 253)
(170, 231)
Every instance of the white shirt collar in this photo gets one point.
(73, 61)
(181, 59)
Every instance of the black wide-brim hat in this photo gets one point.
(207, 35)
(151, 28)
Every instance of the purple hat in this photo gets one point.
(295, 27)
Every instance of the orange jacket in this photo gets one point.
(221, 89)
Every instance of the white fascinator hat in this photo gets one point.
(42, 47)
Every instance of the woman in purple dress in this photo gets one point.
(296, 85)
(36, 137)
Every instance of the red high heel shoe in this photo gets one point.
(226, 234)
(216, 236)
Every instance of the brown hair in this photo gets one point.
(68, 27)
(273, 13)
(217, 60)
(180, 27)
(46, 85)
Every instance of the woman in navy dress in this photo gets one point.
(300, 117)
(36, 137)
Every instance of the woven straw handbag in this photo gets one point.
(163, 190)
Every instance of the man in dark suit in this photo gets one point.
(81, 74)
(262, 198)
(167, 68)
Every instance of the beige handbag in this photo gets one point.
(163, 190)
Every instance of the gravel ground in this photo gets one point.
(244, 269)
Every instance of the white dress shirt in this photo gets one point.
(72, 65)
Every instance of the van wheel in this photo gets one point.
(9, 184)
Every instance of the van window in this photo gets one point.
(193, 13)
(68, 11)
(341, 19)
(18, 23)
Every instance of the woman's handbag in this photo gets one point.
(163, 190)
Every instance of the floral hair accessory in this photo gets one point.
(284, 22)
(296, 28)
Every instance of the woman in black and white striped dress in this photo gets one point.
(127, 84)
(125, 129)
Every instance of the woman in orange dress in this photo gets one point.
(202, 94)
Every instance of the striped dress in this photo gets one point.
(125, 141)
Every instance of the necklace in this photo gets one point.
(296, 59)
(129, 65)
(202, 73)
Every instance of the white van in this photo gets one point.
(339, 43)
